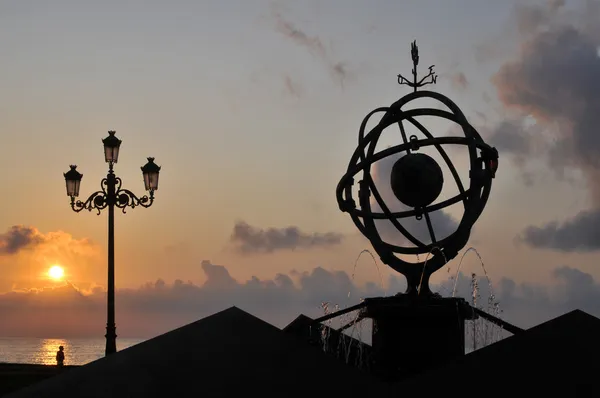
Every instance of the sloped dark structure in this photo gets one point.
(224, 355)
(232, 353)
(332, 342)
(558, 358)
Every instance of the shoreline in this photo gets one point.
(14, 376)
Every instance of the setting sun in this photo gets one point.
(56, 272)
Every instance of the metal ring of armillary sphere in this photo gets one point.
(416, 181)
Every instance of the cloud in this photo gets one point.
(26, 254)
(530, 18)
(336, 68)
(555, 79)
(528, 304)
(248, 239)
(443, 223)
(158, 307)
(510, 136)
(19, 237)
(515, 138)
(525, 20)
(582, 233)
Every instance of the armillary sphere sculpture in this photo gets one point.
(415, 330)
(417, 181)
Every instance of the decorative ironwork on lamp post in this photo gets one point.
(110, 196)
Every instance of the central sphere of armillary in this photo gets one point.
(416, 180)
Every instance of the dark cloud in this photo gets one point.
(159, 306)
(510, 136)
(528, 304)
(556, 80)
(525, 20)
(336, 68)
(582, 233)
(529, 18)
(19, 237)
(443, 223)
(29, 241)
(248, 239)
(514, 138)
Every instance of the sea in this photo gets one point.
(43, 351)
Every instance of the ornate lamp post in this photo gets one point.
(111, 195)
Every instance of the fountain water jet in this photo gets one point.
(376, 266)
(469, 250)
(475, 295)
(351, 320)
(325, 330)
(493, 307)
(344, 347)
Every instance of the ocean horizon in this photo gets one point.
(40, 351)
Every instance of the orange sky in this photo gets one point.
(249, 140)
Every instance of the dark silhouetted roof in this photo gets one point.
(558, 358)
(232, 353)
(340, 345)
(224, 355)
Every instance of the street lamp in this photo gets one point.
(110, 196)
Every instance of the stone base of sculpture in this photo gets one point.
(412, 334)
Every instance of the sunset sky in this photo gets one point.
(252, 109)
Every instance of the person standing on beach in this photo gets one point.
(60, 357)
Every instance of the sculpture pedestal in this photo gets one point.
(412, 334)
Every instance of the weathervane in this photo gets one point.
(414, 51)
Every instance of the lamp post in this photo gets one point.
(111, 195)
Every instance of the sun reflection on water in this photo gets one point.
(47, 353)
(78, 351)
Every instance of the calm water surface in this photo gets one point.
(43, 351)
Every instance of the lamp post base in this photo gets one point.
(111, 339)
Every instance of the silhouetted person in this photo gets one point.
(60, 357)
